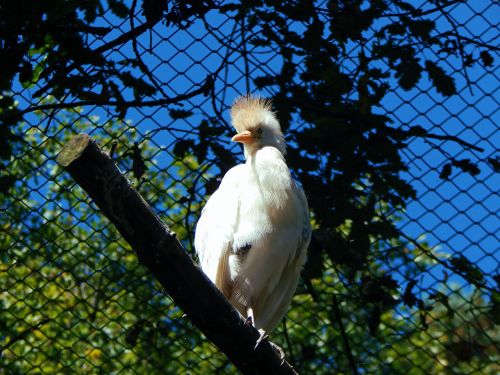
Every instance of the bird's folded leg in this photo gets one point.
(278, 351)
(262, 335)
(250, 319)
(276, 348)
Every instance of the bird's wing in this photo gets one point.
(215, 230)
(280, 298)
(268, 278)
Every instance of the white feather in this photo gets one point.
(259, 205)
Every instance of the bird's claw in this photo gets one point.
(249, 321)
(262, 336)
(278, 351)
(276, 348)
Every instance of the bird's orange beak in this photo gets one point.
(243, 137)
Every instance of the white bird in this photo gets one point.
(254, 231)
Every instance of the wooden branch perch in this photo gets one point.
(157, 248)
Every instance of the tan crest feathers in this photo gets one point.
(250, 103)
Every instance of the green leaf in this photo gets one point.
(443, 83)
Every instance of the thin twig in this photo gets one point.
(343, 334)
(419, 12)
(244, 54)
(288, 342)
(418, 131)
(472, 41)
(192, 195)
(139, 103)
(144, 68)
(455, 33)
(125, 37)
(443, 263)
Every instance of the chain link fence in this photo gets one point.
(74, 299)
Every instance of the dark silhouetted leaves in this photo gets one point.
(212, 185)
(445, 171)
(408, 73)
(154, 10)
(112, 150)
(467, 166)
(486, 58)
(132, 334)
(314, 264)
(443, 83)
(406, 6)
(495, 163)
(138, 166)
(495, 301)
(118, 8)
(421, 28)
(495, 306)
(409, 298)
(466, 269)
(373, 319)
(379, 290)
(183, 147)
(26, 73)
(179, 113)
(140, 87)
(443, 299)
(6, 182)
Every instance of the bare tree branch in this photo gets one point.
(158, 249)
(144, 68)
(337, 316)
(203, 89)
(476, 42)
(418, 131)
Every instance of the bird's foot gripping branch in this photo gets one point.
(159, 250)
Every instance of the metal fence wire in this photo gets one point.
(75, 299)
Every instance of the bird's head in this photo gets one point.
(256, 125)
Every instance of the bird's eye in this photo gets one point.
(259, 131)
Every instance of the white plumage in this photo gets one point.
(253, 233)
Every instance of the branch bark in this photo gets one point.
(158, 249)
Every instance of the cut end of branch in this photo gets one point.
(73, 149)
